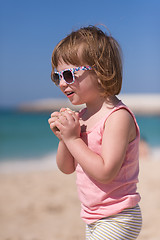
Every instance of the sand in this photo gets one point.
(42, 204)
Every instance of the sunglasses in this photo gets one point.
(67, 74)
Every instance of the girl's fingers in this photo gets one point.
(62, 112)
(72, 116)
(55, 130)
(49, 120)
(58, 125)
(55, 114)
(68, 113)
(62, 109)
(52, 125)
(52, 119)
(62, 117)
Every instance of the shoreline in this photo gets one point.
(48, 162)
(141, 104)
(44, 163)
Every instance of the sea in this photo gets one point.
(27, 136)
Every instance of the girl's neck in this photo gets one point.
(101, 104)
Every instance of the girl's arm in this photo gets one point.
(64, 159)
(119, 131)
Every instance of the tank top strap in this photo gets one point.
(119, 106)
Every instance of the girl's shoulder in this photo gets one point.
(122, 118)
(121, 110)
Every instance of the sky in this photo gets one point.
(30, 29)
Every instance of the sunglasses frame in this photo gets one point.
(72, 70)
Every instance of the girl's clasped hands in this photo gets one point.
(65, 124)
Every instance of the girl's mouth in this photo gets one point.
(69, 94)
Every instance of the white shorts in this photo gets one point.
(122, 226)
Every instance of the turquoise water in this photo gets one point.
(150, 129)
(24, 135)
(27, 135)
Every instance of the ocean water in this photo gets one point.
(25, 136)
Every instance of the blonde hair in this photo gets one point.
(91, 46)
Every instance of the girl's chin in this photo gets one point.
(76, 102)
(74, 99)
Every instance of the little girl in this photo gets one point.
(100, 142)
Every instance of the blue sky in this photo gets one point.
(30, 29)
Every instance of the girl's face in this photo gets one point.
(84, 89)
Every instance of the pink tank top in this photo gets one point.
(102, 200)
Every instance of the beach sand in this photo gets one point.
(43, 204)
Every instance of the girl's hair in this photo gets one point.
(91, 46)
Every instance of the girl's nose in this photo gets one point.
(62, 82)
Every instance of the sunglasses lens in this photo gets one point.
(68, 76)
(55, 78)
